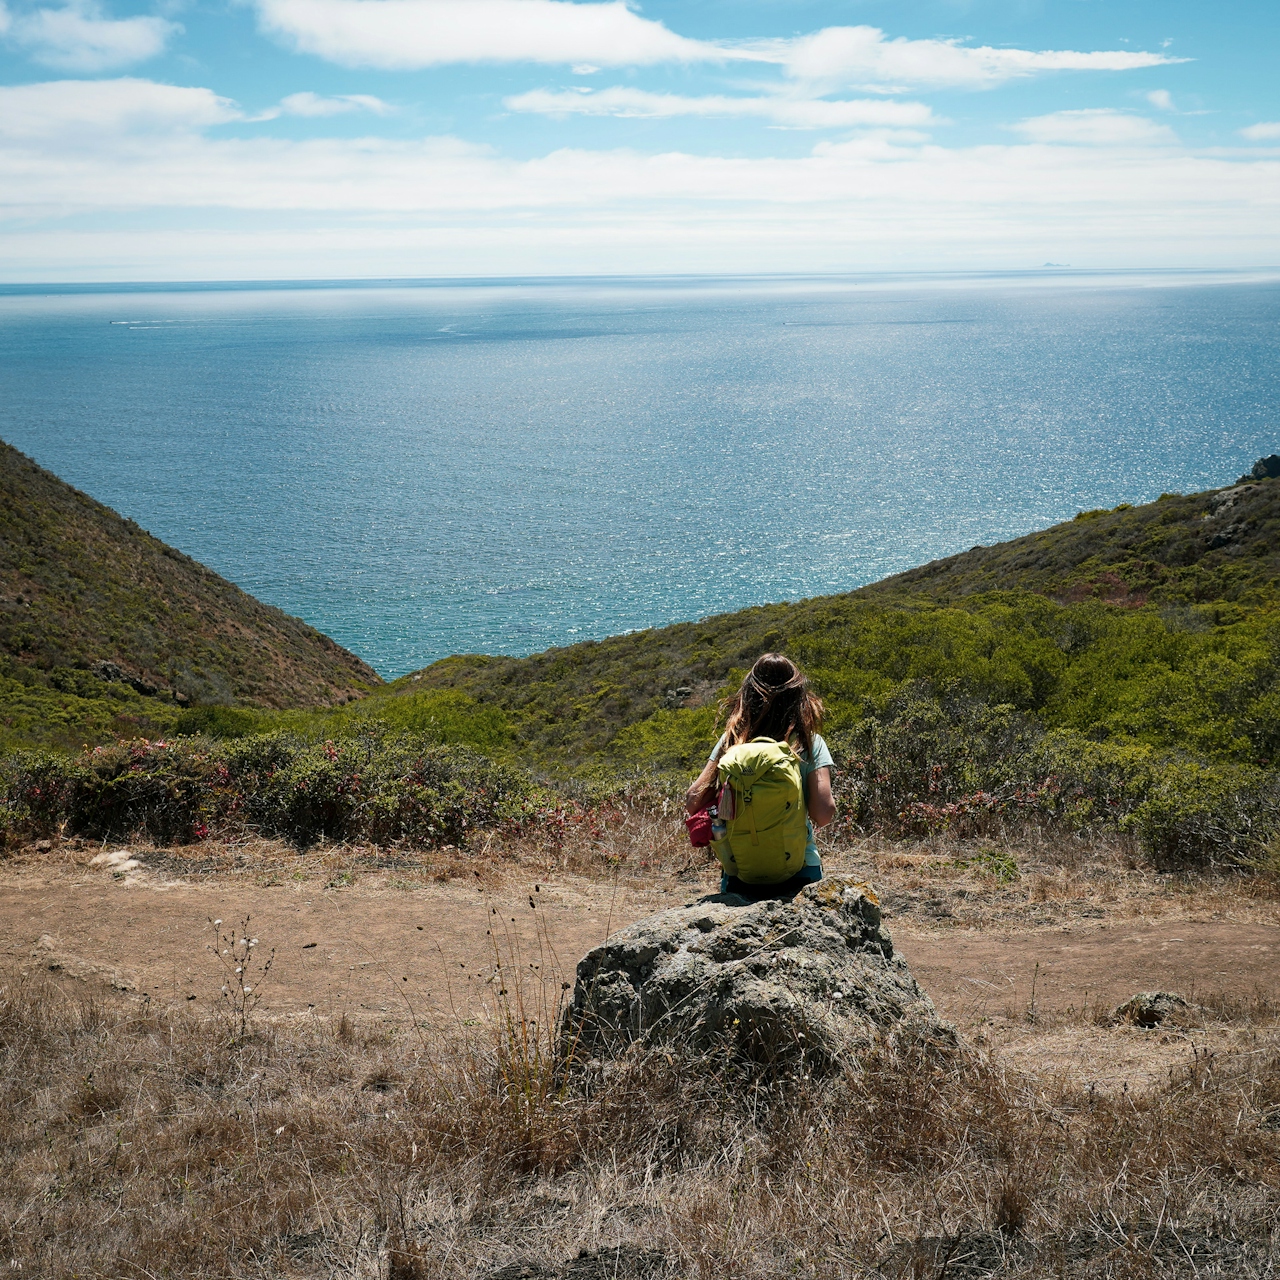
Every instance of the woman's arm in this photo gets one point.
(818, 798)
(703, 790)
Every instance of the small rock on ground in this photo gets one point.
(624, 1262)
(1150, 1008)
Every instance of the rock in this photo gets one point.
(1149, 1008)
(1225, 537)
(623, 1262)
(48, 953)
(816, 978)
(114, 673)
(1227, 498)
(1267, 468)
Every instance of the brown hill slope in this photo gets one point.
(83, 589)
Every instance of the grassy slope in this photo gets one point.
(79, 584)
(1030, 623)
(1220, 545)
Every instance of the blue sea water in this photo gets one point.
(502, 466)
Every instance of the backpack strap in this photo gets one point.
(751, 813)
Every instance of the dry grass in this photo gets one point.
(139, 1143)
(1032, 877)
(636, 844)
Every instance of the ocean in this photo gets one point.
(426, 468)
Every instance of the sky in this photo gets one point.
(285, 139)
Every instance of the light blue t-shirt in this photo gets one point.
(818, 758)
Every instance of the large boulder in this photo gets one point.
(815, 978)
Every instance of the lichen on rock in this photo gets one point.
(815, 979)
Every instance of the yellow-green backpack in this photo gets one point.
(767, 828)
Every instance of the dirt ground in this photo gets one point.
(1031, 969)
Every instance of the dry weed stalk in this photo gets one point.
(244, 970)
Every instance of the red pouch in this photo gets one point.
(699, 827)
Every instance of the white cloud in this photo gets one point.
(796, 113)
(408, 34)
(1161, 99)
(864, 57)
(80, 37)
(405, 34)
(69, 114)
(1096, 127)
(1265, 131)
(312, 105)
(75, 113)
(132, 154)
(5, 18)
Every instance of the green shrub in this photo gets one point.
(438, 715)
(383, 788)
(163, 789)
(39, 788)
(33, 715)
(1205, 815)
(925, 763)
(219, 722)
(667, 740)
(999, 863)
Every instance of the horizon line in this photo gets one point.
(16, 288)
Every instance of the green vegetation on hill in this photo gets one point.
(1190, 662)
(105, 630)
(1187, 676)
(1182, 549)
(1121, 670)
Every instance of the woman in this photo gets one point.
(774, 701)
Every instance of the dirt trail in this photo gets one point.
(378, 950)
(976, 975)
(354, 951)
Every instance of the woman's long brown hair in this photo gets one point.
(773, 701)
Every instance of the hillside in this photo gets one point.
(1156, 624)
(1220, 545)
(93, 609)
(1191, 660)
(1156, 718)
